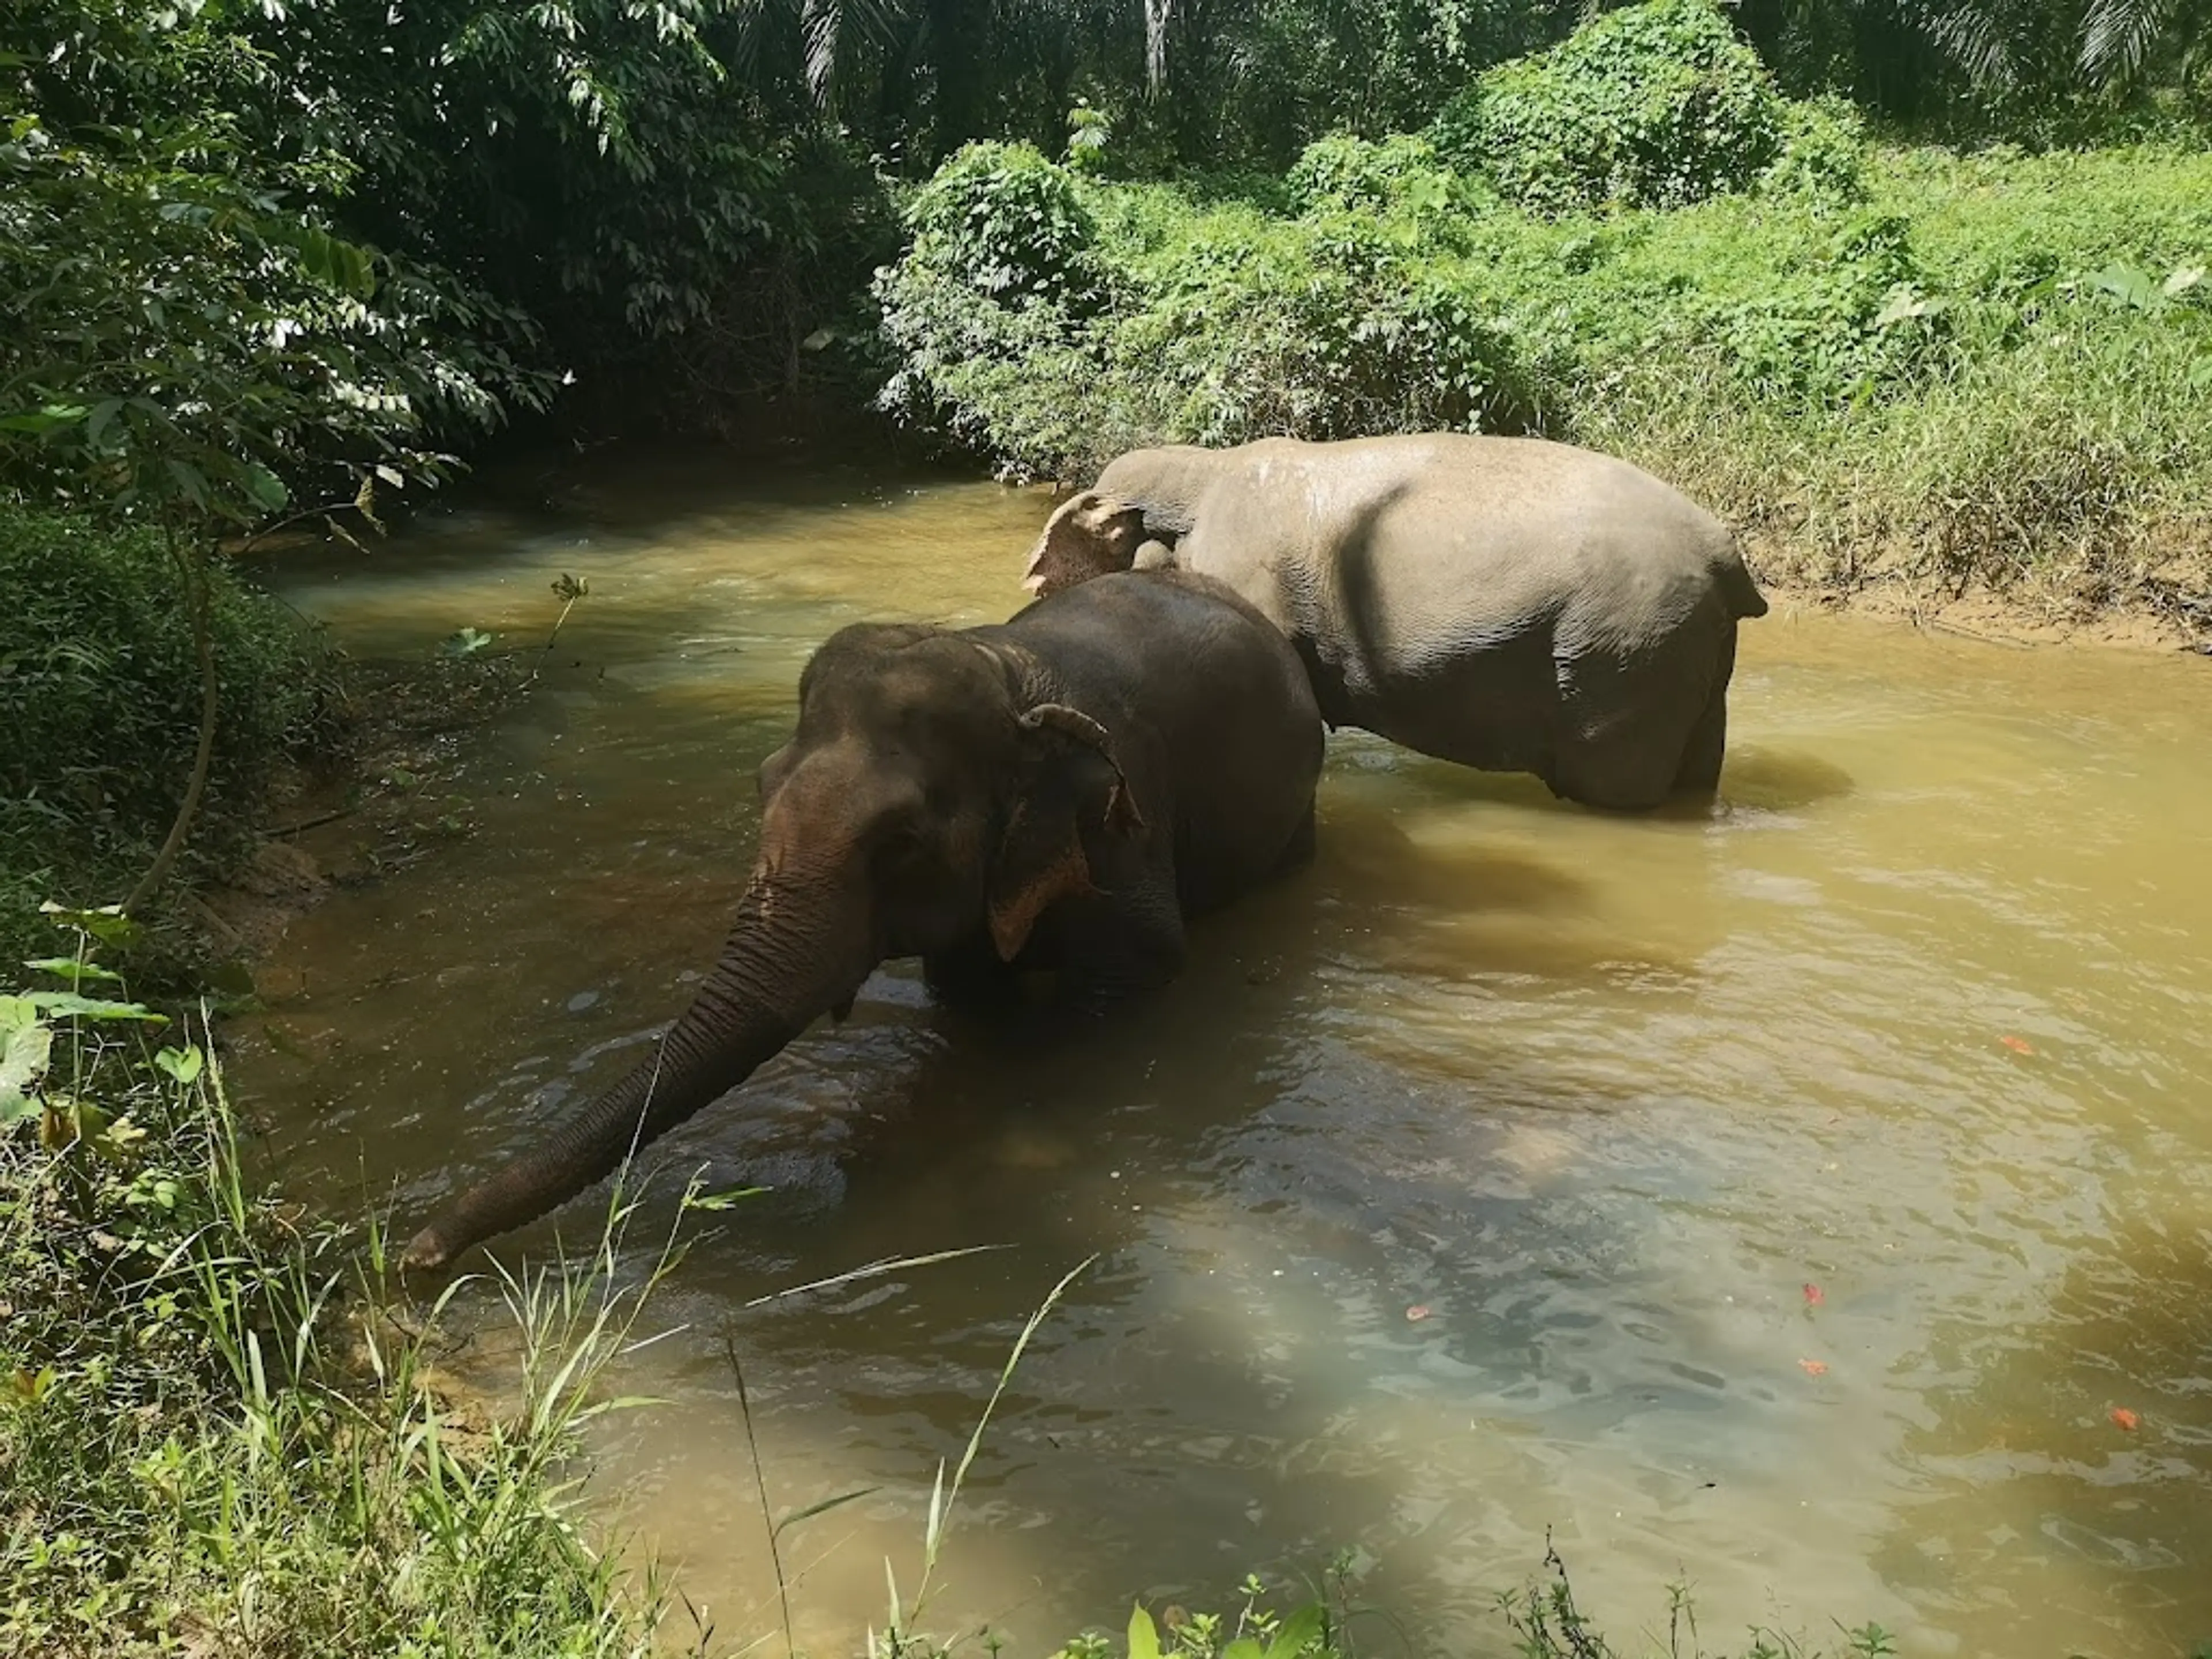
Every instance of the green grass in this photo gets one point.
(1985, 366)
(212, 1441)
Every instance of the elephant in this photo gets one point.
(1061, 791)
(1514, 605)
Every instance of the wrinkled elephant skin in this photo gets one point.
(1509, 603)
(1057, 791)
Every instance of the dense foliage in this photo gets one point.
(1656, 105)
(1872, 355)
(93, 672)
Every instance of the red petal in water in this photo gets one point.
(1814, 1367)
(1418, 1312)
(2018, 1045)
(2126, 1418)
(1813, 1296)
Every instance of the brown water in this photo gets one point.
(1922, 1019)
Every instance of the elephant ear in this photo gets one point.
(1040, 861)
(1089, 535)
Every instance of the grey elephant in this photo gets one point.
(1510, 604)
(1060, 790)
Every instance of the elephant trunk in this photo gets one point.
(787, 960)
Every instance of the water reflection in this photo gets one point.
(1922, 1018)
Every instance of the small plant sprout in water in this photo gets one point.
(567, 589)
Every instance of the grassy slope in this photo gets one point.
(1877, 362)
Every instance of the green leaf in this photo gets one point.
(182, 1064)
(1299, 1633)
(722, 1201)
(75, 972)
(191, 482)
(108, 924)
(1244, 1647)
(39, 422)
(67, 1005)
(265, 489)
(1144, 1635)
(97, 423)
(25, 1049)
(2130, 287)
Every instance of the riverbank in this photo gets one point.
(1895, 367)
(224, 1432)
(214, 1439)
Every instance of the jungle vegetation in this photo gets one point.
(1909, 286)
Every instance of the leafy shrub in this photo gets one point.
(1822, 154)
(1010, 224)
(998, 278)
(1656, 104)
(1846, 320)
(99, 701)
(1323, 327)
(1348, 173)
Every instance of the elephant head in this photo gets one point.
(925, 799)
(1089, 535)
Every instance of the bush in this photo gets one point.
(1652, 105)
(1844, 320)
(1822, 155)
(1010, 224)
(997, 281)
(1353, 173)
(1325, 326)
(99, 701)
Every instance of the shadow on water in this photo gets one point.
(1760, 779)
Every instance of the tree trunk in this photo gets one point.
(192, 567)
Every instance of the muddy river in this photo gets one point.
(1798, 1202)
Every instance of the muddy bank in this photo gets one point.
(2026, 618)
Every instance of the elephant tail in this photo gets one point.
(1742, 592)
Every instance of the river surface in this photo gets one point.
(1786, 1202)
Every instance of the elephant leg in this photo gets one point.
(1700, 773)
(1300, 852)
(1121, 944)
(1615, 777)
(1609, 756)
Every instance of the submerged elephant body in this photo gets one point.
(1509, 603)
(1060, 790)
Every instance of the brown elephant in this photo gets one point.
(1510, 604)
(1060, 792)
